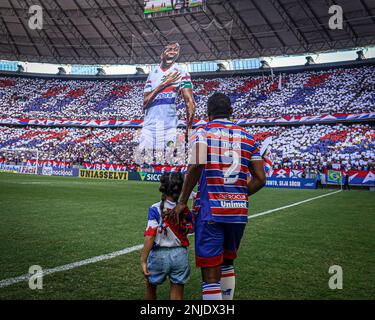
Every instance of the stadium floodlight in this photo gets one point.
(361, 55)
(100, 71)
(20, 68)
(264, 65)
(309, 61)
(139, 70)
(61, 71)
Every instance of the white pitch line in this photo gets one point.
(25, 277)
(292, 205)
(70, 266)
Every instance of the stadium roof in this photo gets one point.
(116, 32)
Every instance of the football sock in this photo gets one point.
(211, 291)
(228, 282)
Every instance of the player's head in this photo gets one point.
(219, 106)
(170, 54)
(170, 186)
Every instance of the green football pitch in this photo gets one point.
(285, 253)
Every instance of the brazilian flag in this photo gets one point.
(334, 176)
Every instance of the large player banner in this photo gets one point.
(159, 140)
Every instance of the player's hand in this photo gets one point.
(145, 269)
(178, 210)
(170, 79)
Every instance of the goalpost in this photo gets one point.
(25, 160)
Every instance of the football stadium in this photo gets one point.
(104, 105)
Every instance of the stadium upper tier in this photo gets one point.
(304, 93)
(305, 147)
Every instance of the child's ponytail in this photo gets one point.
(170, 185)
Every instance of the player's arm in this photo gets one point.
(147, 246)
(187, 94)
(258, 179)
(192, 176)
(148, 97)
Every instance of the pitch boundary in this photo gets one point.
(292, 205)
(10, 281)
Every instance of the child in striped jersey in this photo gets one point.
(165, 247)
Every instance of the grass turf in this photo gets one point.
(52, 221)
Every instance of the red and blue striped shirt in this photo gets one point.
(222, 192)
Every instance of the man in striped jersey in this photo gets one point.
(222, 156)
(163, 85)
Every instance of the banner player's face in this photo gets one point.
(170, 55)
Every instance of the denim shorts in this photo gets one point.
(171, 262)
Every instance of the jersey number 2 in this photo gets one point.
(231, 174)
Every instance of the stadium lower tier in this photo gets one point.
(305, 147)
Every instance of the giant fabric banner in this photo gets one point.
(362, 178)
(355, 177)
(343, 117)
(105, 166)
(120, 167)
(182, 123)
(166, 168)
(286, 173)
(291, 183)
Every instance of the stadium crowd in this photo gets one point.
(303, 93)
(312, 147)
(321, 146)
(68, 144)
